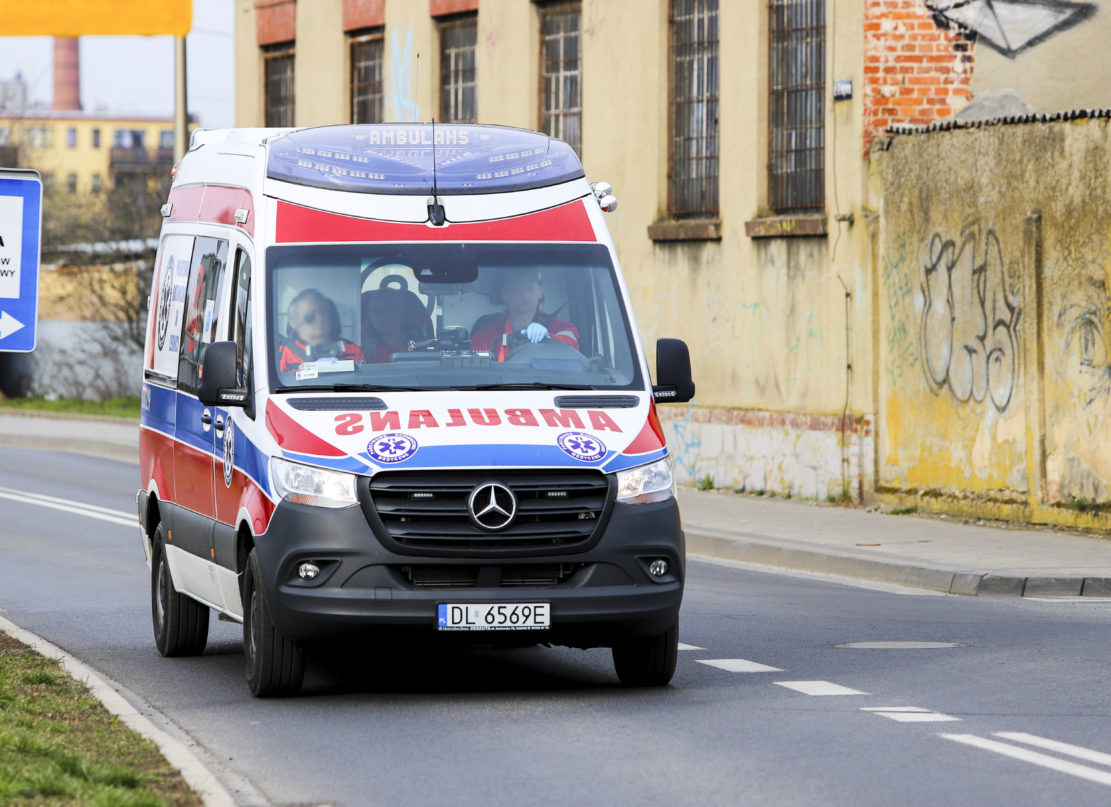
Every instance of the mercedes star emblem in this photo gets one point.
(492, 506)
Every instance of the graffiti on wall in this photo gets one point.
(970, 319)
(899, 289)
(402, 79)
(1010, 26)
(1086, 358)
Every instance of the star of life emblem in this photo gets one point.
(581, 446)
(229, 451)
(392, 447)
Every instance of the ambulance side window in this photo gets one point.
(241, 327)
(201, 313)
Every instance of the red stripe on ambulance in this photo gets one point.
(212, 204)
(292, 436)
(568, 222)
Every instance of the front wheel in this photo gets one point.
(180, 623)
(275, 663)
(648, 662)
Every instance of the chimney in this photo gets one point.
(67, 74)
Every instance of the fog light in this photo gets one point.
(309, 571)
(658, 568)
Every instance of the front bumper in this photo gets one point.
(604, 593)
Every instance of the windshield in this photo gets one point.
(447, 316)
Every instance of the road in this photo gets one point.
(979, 723)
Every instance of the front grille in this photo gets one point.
(537, 575)
(425, 512)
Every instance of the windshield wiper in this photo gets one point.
(527, 385)
(347, 388)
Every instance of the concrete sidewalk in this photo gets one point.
(909, 550)
(927, 553)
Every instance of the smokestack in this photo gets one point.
(67, 74)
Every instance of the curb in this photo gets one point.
(196, 773)
(732, 547)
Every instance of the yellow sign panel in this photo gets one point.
(95, 17)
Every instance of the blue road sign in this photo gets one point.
(20, 239)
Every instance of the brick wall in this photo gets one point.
(275, 21)
(915, 71)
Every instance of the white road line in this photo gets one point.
(689, 647)
(90, 510)
(1033, 757)
(910, 714)
(1078, 751)
(738, 665)
(818, 688)
(784, 571)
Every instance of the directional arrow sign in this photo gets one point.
(8, 324)
(20, 236)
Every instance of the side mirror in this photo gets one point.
(673, 372)
(216, 382)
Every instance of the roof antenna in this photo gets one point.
(436, 213)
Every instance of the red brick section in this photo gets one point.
(363, 14)
(915, 72)
(275, 21)
(440, 8)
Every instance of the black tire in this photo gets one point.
(180, 622)
(274, 664)
(648, 662)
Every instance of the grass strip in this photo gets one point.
(60, 746)
(113, 407)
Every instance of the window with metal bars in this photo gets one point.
(561, 72)
(693, 163)
(366, 78)
(278, 87)
(796, 105)
(457, 69)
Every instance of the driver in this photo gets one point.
(522, 292)
(314, 333)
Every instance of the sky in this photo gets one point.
(135, 74)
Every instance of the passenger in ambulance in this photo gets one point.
(394, 319)
(522, 293)
(313, 333)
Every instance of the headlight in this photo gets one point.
(314, 486)
(648, 483)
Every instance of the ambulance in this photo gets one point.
(393, 386)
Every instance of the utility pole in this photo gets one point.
(181, 104)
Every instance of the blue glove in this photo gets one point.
(536, 332)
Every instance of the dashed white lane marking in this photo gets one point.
(68, 506)
(689, 647)
(738, 665)
(818, 688)
(1033, 757)
(1078, 751)
(909, 714)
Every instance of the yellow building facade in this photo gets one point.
(741, 140)
(84, 153)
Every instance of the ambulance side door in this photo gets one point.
(234, 459)
(195, 446)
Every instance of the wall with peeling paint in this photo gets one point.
(993, 373)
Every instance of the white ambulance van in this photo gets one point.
(393, 383)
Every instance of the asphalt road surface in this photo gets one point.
(765, 707)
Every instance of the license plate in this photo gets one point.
(494, 616)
